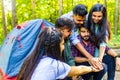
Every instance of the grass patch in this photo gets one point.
(115, 42)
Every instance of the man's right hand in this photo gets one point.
(96, 63)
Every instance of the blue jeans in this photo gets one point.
(95, 75)
(110, 62)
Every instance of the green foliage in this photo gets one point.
(1, 29)
(49, 10)
(24, 10)
(1, 35)
(115, 42)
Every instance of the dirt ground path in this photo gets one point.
(117, 76)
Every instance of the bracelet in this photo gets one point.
(92, 69)
(116, 57)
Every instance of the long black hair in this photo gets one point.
(49, 45)
(103, 25)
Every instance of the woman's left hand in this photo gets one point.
(118, 64)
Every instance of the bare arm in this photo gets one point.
(112, 53)
(93, 61)
(80, 59)
(79, 70)
(101, 52)
(83, 51)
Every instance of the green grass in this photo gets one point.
(115, 42)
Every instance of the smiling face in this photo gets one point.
(97, 16)
(84, 33)
(79, 20)
(66, 32)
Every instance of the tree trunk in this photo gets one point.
(14, 17)
(4, 19)
(105, 3)
(116, 17)
(60, 7)
(33, 8)
(72, 2)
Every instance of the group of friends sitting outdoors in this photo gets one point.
(76, 46)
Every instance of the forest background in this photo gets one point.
(14, 12)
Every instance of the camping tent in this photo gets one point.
(18, 44)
